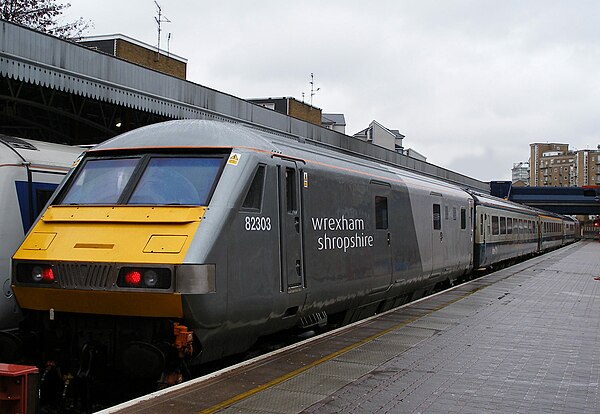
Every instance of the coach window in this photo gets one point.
(437, 217)
(253, 200)
(509, 225)
(381, 213)
(463, 218)
(495, 226)
(502, 225)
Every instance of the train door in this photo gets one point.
(437, 243)
(382, 260)
(471, 230)
(482, 227)
(540, 227)
(290, 214)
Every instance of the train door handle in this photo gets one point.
(298, 267)
(297, 224)
(441, 236)
(388, 239)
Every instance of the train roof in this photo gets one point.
(194, 133)
(489, 200)
(190, 133)
(38, 154)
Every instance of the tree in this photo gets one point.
(43, 15)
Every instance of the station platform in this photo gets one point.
(522, 339)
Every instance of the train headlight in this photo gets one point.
(45, 274)
(144, 278)
(150, 278)
(35, 273)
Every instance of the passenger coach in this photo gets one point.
(30, 171)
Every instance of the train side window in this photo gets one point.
(482, 224)
(437, 217)
(446, 214)
(253, 200)
(290, 189)
(30, 209)
(495, 226)
(502, 225)
(381, 212)
(463, 218)
(509, 225)
(42, 196)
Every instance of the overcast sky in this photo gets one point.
(470, 83)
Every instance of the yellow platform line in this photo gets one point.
(326, 358)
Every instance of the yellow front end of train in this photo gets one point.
(95, 259)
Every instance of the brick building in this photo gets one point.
(291, 107)
(134, 51)
(554, 165)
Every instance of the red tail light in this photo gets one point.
(133, 278)
(144, 278)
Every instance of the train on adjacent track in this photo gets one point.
(31, 171)
(186, 241)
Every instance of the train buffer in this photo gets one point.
(522, 339)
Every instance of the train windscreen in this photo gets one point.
(145, 180)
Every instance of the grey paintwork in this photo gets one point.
(344, 262)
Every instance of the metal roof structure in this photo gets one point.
(35, 58)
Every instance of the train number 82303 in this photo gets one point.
(258, 223)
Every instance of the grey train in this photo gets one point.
(186, 241)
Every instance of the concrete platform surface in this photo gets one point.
(525, 339)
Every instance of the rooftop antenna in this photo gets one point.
(160, 19)
(313, 91)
